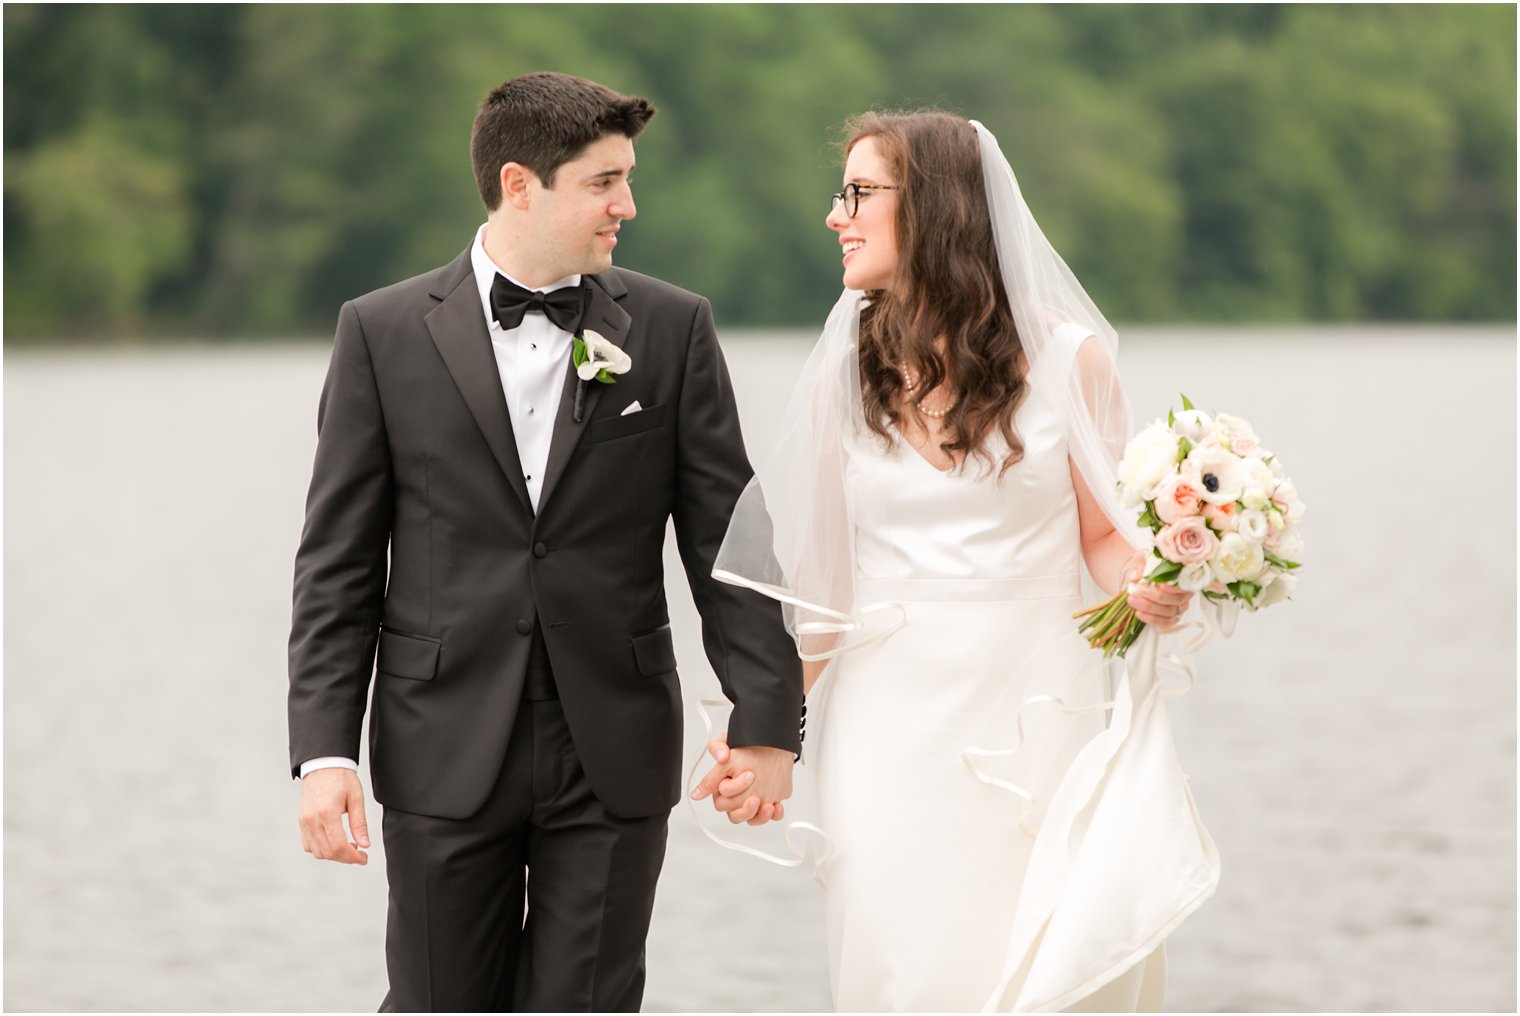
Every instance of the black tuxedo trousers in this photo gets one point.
(423, 581)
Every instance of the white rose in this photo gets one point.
(1210, 440)
(1277, 590)
(1192, 424)
(1238, 559)
(1253, 525)
(1149, 459)
(601, 355)
(1288, 545)
(1219, 472)
(1196, 577)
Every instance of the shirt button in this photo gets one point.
(528, 477)
(530, 410)
(524, 627)
(539, 550)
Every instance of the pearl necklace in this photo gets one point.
(909, 387)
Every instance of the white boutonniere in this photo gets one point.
(595, 359)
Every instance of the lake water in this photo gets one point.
(1353, 752)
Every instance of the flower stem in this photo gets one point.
(1111, 626)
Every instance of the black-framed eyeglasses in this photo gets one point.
(850, 196)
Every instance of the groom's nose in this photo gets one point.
(622, 205)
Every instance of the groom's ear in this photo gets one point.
(515, 180)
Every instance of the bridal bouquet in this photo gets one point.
(1224, 516)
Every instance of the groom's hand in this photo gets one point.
(326, 795)
(748, 784)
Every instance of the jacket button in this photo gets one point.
(539, 550)
(525, 627)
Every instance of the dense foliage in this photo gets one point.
(241, 170)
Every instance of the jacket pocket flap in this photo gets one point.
(411, 656)
(613, 427)
(655, 652)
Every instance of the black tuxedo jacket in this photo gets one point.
(421, 548)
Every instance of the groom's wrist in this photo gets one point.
(775, 743)
(778, 733)
(327, 762)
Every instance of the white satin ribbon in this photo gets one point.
(1216, 617)
(799, 851)
(971, 755)
(842, 624)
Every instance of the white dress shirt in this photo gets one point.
(531, 359)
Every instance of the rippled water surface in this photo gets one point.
(1353, 752)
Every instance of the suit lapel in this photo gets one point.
(605, 316)
(459, 331)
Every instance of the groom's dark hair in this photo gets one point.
(544, 120)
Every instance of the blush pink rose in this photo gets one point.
(1187, 542)
(1223, 517)
(1177, 499)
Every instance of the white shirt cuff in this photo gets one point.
(328, 762)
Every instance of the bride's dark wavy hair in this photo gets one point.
(947, 285)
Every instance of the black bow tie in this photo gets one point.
(564, 307)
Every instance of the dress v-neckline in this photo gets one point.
(954, 466)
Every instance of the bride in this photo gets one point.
(1009, 827)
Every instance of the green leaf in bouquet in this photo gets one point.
(1186, 404)
(1184, 446)
(1148, 517)
(1281, 562)
(578, 351)
(1165, 573)
(1244, 590)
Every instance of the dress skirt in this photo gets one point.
(933, 794)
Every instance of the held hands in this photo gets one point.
(326, 795)
(747, 784)
(1158, 604)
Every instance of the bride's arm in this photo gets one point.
(1113, 563)
(811, 669)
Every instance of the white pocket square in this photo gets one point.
(633, 407)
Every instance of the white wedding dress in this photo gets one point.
(947, 890)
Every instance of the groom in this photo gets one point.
(484, 532)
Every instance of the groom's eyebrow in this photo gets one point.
(607, 174)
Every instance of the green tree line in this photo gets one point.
(210, 171)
